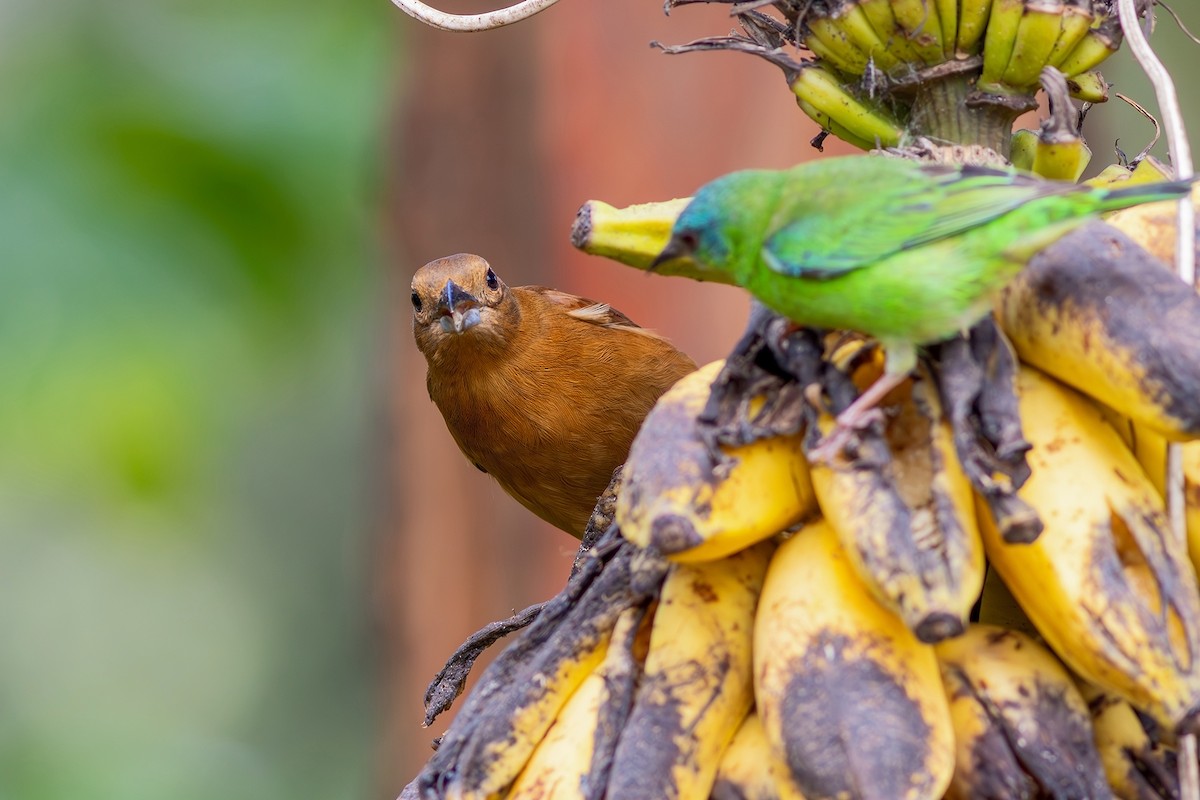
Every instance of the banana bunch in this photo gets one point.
(876, 65)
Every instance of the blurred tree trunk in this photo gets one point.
(499, 138)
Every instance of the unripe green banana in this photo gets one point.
(947, 11)
(1090, 87)
(836, 128)
(919, 24)
(821, 89)
(999, 40)
(972, 22)
(832, 44)
(1077, 18)
(1038, 30)
(1101, 41)
(1024, 149)
(850, 18)
(883, 22)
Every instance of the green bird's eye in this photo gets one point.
(416, 301)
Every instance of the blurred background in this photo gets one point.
(235, 539)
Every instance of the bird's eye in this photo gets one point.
(492, 281)
(416, 301)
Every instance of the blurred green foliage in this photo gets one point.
(188, 269)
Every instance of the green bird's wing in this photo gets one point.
(871, 214)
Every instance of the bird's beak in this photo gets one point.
(677, 247)
(458, 310)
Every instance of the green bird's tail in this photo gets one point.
(1115, 199)
(1061, 210)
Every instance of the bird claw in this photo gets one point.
(845, 431)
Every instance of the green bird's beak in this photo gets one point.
(680, 245)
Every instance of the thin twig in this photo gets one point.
(472, 22)
(1185, 262)
(1157, 128)
(1178, 21)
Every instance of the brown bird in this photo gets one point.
(541, 389)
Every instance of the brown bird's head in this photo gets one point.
(458, 300)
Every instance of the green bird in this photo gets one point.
(910, 253)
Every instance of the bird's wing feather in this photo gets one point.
(820, 241)
(591, 312)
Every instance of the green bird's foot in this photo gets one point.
(833, 444)
(859, 415)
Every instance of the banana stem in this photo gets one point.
(942, 111)
(1185, 262)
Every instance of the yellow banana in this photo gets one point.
(1137, 768)
(846, 694)
(973, 18)
(1054, 156)
(1061, 156)
(1037, 31)
(672, 500)
(1151, 451)
(999, 40)
(1077, 18)
(1110, 176)
(1105, 583)
(1097, 312)
(751, 770)
(918, 22)
(1090, 87)
(697, 685)
(1148, 170)
(821, 89)
(524, 688)
(909, 528)
(1154, 225)
(563, 758)
(633, 235)
(1021, 727)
